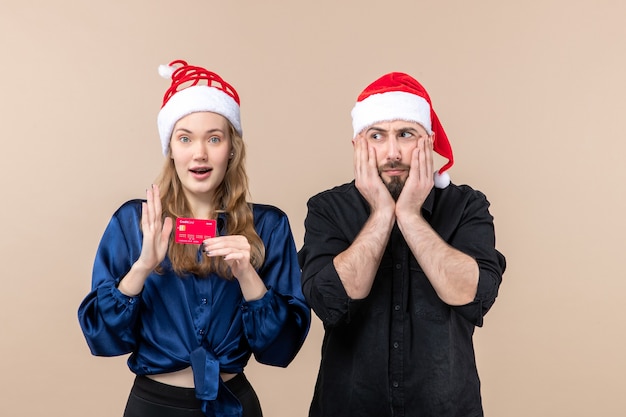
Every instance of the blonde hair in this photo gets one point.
(230, 198)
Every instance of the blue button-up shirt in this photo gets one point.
(202, 322)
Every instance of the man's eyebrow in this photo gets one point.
(417, 129)
(408, 129)
(397, 130)
(377, 129)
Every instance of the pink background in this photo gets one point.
(532, 95)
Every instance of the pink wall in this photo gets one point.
(530, 93)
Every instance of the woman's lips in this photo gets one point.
(200, 173)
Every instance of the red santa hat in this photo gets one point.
(194, 89)
(398, 96)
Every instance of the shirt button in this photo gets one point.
(395, 384)
(396, 307)
(201, 332)
(395, 345)
(398, 266)
(203, 301)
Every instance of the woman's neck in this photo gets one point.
(201, 208)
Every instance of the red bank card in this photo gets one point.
(194, 231)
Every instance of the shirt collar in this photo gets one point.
(429, 202)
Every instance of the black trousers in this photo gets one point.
(149, 398)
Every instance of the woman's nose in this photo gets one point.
(200, 152)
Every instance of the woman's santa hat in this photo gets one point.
(194, 89)
(398, 96)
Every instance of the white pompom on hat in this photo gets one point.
(194, 89)
(398, 96)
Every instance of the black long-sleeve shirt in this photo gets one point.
(401, 351)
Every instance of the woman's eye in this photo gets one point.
(214, 139)
(184, 139)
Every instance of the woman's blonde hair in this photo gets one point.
(230, 198)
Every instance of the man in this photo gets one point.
(400, 265)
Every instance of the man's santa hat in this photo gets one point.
(194, 89)
(398, 96)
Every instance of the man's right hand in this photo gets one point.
(367, 178)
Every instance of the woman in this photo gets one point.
(191, 315)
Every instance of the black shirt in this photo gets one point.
(401, 351)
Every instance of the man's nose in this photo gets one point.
(393, 150)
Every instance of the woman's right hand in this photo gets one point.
(156, 235)
(156, 232)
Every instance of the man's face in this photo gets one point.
(394, 143)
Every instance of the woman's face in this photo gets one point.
(201, 148)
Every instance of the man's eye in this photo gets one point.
(406, 135)
(376, 136)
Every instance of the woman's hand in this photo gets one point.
(235, 250)
(156, 233)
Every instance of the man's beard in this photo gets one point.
(395, 187)
(395, 184)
